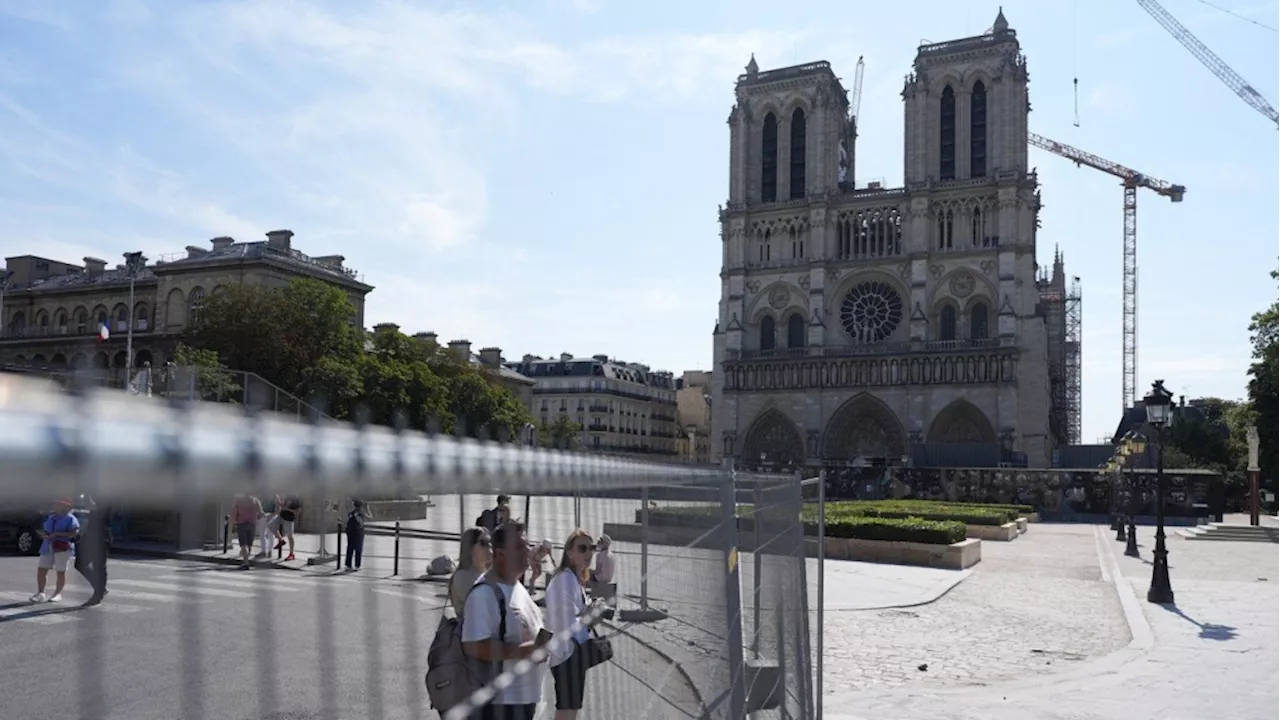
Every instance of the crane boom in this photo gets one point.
(1131, 180)
(857, 88)
(1080, 157)
(1206, 56)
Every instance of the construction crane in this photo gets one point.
(856, 105)
(1130, 180)
(1211, 61)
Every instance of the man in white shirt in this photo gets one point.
(481, 621)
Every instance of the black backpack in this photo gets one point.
(488, 519)
(355, 521)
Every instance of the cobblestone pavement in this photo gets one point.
(1214, 654)
(1029, 608)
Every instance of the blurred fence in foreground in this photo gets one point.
(710, 621)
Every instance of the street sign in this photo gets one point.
(1252, 436)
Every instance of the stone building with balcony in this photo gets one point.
(870, 325)
(51, 311)
(623, 408)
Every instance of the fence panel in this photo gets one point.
(326, 643)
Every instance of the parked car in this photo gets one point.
(20, 525)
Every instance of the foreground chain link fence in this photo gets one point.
(708, 610)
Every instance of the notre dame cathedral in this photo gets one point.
(878, 326)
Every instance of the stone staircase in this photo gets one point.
(1232, 532)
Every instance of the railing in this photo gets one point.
(686, 642)
(894, 348)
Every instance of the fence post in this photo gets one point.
(644, 548)
(339, 556)
(757, 567)
(822, 578)
(733, 595)
(226, 532)
(396, 562)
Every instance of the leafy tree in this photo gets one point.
(560, 433)
(282, 334)
(212, 381)
(1264, 375)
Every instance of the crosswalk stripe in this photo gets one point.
(141, 595)
(192, 587)
(41, 616)
(269, 577)
(242, 582)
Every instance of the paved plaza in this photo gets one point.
(1052, 625)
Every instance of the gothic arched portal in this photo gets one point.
(961, 422)
(863, 427)
(774, 436)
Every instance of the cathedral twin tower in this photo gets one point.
(867, 325)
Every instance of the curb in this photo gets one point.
(208, 559)
(702, 701)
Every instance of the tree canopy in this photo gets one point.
(303, 338)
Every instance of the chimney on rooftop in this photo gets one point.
(94, 267)
(528, 358)
(491, 356)
(333, 261)
(566, 357)
(222, 242)
(427, 337)
(461, 348)
(380, 327)
(281, 240)
(195, 252)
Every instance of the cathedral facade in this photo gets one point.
(856, 324)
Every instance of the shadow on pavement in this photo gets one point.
(1208, 631)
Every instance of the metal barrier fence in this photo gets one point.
(708, 612)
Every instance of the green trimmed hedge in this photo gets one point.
(917, 530)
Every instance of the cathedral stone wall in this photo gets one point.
(855, 321)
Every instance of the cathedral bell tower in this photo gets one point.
(966, 108)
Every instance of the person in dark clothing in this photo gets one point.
(355, 533)
(91, 555)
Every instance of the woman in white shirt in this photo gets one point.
(566, 603)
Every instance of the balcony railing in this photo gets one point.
(898, 348)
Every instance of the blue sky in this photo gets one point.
(544, 175)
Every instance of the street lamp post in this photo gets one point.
(134, 261)
(1158, 404)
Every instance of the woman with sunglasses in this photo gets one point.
(474, 559)
(566, 603)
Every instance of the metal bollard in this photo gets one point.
(1131, 547)
(339, 555)
(395, 568)
(226, 533)
(1120, 534)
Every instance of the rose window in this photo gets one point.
(871, 312)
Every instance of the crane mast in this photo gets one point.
(1130, 180)
(1206, 56)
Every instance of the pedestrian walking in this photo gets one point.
(486, 614)
(58, 549)
(270, 527)
(247, 509)
(493, 517)
(604, 561)
(91, 553)
(566, 604)
(355, 533)
(289, 514)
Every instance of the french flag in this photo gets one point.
(104, 332)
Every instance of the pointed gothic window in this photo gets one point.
(769, 160)
(797, 154)
(978, 131)
(946, 229)
(978, 322)
(947, 169)
(795, 331)
(979, 229)
(947, 323)
(768, 339)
